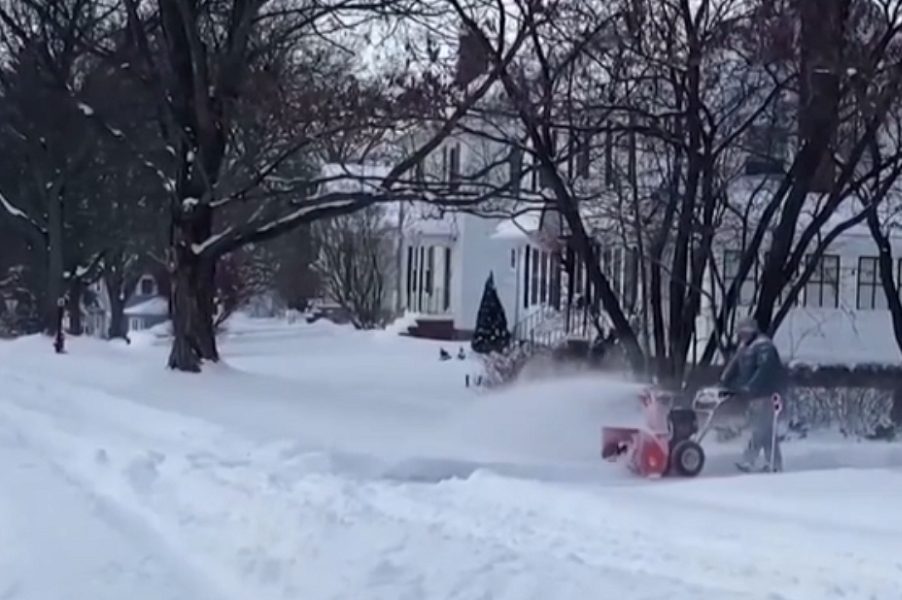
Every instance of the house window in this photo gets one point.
(822, 289)
(534, 283)
(543, 279)
(766, 148)
(421, 276)
(526, 273)
(546, 176)
(578, 274)
(446, 301)
(609, 158)
(430, 266)
(148, 286)
(612, 263)
(631, 279)
(870, 294)
(767, 141)
(411, 277)
(555, 294)
(786, 286)
(583, 158)
(732, 260)
(419, 173)
(516, 169)
(454, 167)
(535, 166)
(633, 149)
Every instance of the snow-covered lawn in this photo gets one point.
(320, 463)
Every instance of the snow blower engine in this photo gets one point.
(671, 441)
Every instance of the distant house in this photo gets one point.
(147, 304)
(144, 313)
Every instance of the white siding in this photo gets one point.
(844, 334)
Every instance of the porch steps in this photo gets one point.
(436, 329)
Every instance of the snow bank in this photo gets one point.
(401, 324)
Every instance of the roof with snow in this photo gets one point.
(353, 177)
(156, 306)
(518, 227)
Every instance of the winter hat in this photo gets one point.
(747, 325)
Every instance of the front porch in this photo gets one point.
(427, 287)
(558, 301)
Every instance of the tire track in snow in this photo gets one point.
(62, 540)
(34, 426)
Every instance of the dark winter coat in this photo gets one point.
(756, 370)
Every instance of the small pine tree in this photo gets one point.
(491, 333)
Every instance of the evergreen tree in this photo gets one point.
(491, 333)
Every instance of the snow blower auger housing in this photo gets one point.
(671, 441)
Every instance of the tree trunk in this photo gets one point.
(54, 264)
(118, 329)
(73, 306)
(117, 280)
(192, 298)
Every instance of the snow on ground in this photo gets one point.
(321, 463)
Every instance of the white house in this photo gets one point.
(446, 262)
(840, 317)
(147, 305)
(447, 255)
(841, 314)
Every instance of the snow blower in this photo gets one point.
(670, 443)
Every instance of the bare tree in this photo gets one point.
(672, 96)
(215, 70)
(241, 277)
(356, 264)
(849, 78)
(44, 137)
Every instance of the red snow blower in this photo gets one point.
(671, 441)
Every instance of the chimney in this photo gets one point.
(822, 39)
(472, 60)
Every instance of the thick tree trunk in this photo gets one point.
(192, 299)
(115, 278)
(54, 264)
(73, 306)
(118, 329)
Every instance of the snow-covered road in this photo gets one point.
(113, 488)
(60, 539)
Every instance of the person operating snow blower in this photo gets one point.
(757, 372)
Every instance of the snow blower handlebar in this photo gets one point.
(705, 404)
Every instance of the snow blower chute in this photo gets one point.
(670, 443)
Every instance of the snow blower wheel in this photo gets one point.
(687, 458)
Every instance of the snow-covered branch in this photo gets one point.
(21, 219)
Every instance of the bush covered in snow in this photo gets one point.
(501, 368)
(853, 411)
